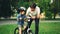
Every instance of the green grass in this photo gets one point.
(44, 28)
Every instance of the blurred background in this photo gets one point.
(50, 9)
(50, 15)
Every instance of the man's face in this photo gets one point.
(32, 9)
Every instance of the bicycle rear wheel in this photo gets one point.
(16, 31)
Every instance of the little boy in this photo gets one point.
(20, 18)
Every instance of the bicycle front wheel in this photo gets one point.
(30, 32)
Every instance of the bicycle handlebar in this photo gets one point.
(25, 19)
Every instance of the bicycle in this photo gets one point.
(28, 31)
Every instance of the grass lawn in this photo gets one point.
(44, 28)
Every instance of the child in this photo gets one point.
(20, 18)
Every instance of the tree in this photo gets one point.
(5, 9)
(55, 7)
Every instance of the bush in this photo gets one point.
(48, 14)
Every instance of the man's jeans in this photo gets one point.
(36, 25)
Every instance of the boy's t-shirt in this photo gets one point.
(20, 22)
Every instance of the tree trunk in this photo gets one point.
(54, 15)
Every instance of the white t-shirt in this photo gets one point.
(33, 13)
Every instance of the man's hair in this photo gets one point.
(33, 5)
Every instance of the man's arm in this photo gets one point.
(27, 11)
(38, 12)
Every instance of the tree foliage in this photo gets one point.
(5, 8)
(45, 6)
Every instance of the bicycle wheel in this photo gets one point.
(16, 31)
(30, 32)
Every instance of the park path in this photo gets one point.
(4, 22)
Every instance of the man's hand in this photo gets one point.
(33, 17)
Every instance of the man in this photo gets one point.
(34, 11)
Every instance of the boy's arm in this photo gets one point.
(18, 17)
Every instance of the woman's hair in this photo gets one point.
(33, 5)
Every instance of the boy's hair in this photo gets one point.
(33, 5)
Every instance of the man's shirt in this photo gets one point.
(33, 13)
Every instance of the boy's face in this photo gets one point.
(22, 12)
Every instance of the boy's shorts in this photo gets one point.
(22, 24)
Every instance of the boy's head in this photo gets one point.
(22, 10)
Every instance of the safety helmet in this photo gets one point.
(21, 9)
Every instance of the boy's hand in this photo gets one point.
(25, 19)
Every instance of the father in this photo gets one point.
(34, 11)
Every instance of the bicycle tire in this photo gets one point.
(16, 31)
(30, 32)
